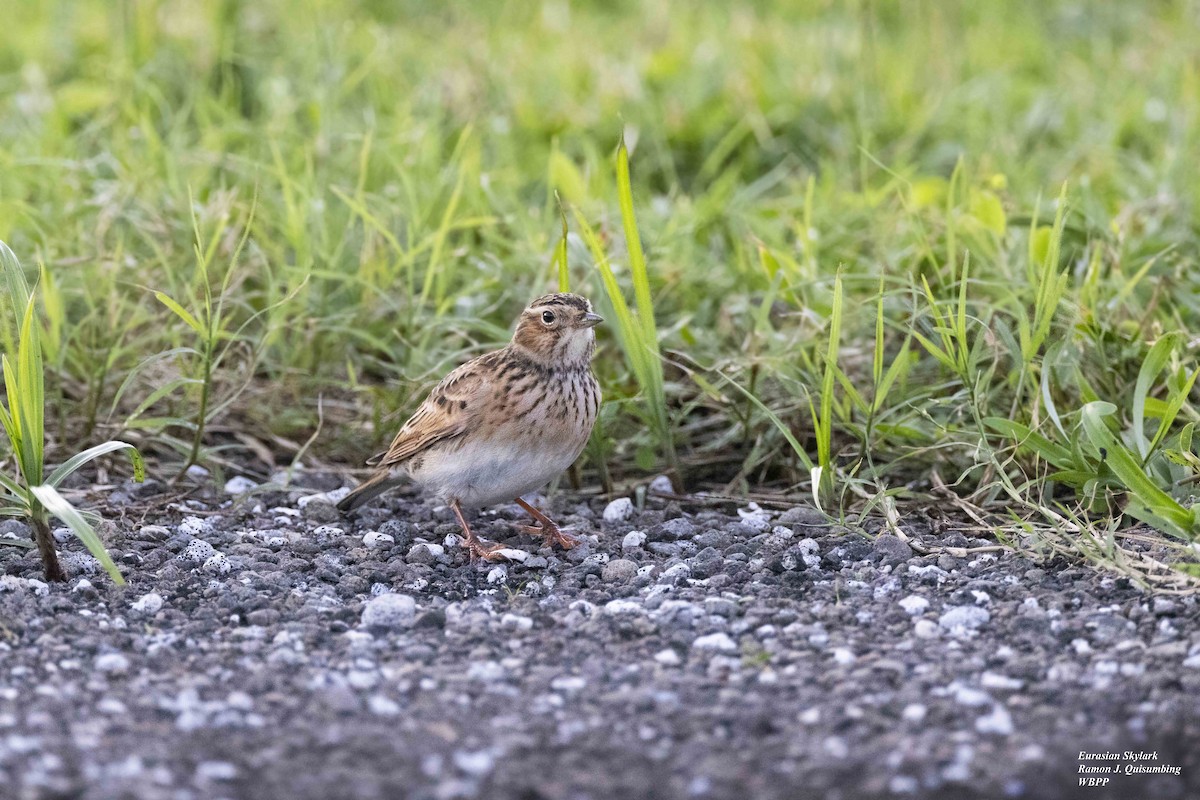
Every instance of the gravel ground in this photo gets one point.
(268, 648)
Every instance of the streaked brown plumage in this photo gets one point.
(502, 424)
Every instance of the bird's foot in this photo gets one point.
(488, 551)
(552, 534)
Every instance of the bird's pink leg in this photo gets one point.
(546, 528)
(475, 546)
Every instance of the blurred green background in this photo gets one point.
(392, 167)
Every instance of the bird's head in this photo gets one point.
(556, 330)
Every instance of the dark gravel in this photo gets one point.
(276, 650)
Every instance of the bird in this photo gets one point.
(503, 424)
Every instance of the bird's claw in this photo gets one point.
(488, 552)
(552, 535)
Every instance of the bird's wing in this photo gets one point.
(451, 409)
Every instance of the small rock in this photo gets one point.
(148, 604)
(621, 607)
(111, 663)
(999, 722)
(239, 484)
(218, 564)
(568, 683)
(516, 622)
(382, 706)
(972, 698)
(914, 605)
(215, 771)
(80, 563)
(913, 712)
(925, 629)
(389, 611)
(618, 510)
(668, 658)
(424, 553)
(633, 540)
(993, 680)
(802, 515)
(618, 570)
(892, 549)
(497, 574)
(198, 550)
(331, 498)
(478, 763)
(377, 539)
(755, 518)
(320, 511)
(715, 642)
(964, 618)
(678, 528)
(661, 485)
(720, 607)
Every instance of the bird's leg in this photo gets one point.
(475, 546)
(546, 528)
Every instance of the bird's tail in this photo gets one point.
(369, 489)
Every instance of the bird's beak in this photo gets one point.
(591, 320)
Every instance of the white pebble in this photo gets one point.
(82, 586)
(719, 642)
(111, 663)
(479, 763)
(618, 607)
(998, 722)
(389, 611)
(239, 484)
(925, 629)
(198, 550)
(994, 680)
(958, 619)
(842, 655)
(194, 526)
(618, 510)
(148, 604)
(330, 498)
(972, 698)
(668, 658)
(215, 771)
(516, 622)
(568, 683)
(497, 574)
(513, 554)
(382, 706)
(377, 539)
(913, 712)
(914, 605)
(218, 564)
(662, 485)
(755, 517)
(633, 540)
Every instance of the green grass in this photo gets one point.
(348, 198)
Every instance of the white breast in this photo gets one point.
(486, 472)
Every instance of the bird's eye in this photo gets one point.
(548, 317)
